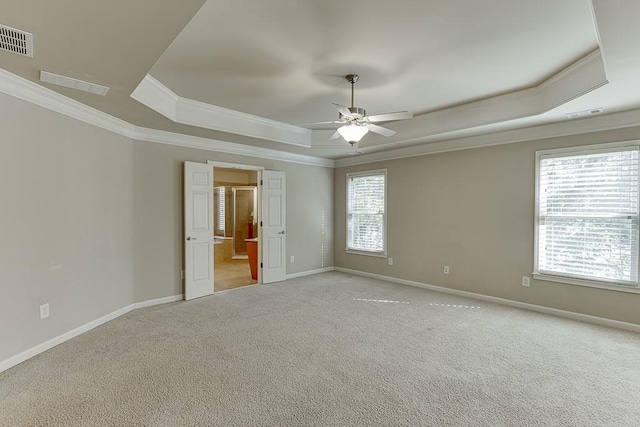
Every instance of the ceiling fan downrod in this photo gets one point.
(356, 112)
(352, 78)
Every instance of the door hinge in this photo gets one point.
(261, 182)
(260, 265)
(260, 223)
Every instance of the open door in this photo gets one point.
(198, 230)
(274, 250)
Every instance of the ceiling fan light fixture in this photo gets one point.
(352, 133)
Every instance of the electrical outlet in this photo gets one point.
(526, 281)
(446, 269)
(390, 260)
(44, 311)
(292, 259)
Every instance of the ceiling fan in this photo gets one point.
(355, 122)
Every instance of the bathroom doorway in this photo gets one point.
(236, 227)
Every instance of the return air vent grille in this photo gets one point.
(16, 41)
(72, 83)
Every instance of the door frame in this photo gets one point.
(258, 169)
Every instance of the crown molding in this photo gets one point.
(165, 101)
(36, 94)
(29, 91)
(158, 97)
(581, 77)
(605, 122)
(188, 141)
(24, 89)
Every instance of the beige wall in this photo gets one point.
(66, 192)
(473, 210)
(158, 214)
(108, 210)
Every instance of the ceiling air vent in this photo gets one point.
(72, 83)
(16, 41)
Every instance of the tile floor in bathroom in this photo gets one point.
(231, 274)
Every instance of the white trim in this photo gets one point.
(599, 123)
(309, 272)
(579, 78)
(181, 140)
(164, 99)
(630, 287)
(41, 348)
(158, 301)
(379, 254)
(365, 253)
(634, 289)
(200, 114)
(36, 94)
(523, 305)
(604, 147)
(158, 97)
(582, 77)
(226, 165)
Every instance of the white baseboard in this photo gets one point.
(526, 306)
(309, 272)
(40, 348)
(158, 301)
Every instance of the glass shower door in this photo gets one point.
(244, 204)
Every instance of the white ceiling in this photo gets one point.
(286, 60)
(254, 67)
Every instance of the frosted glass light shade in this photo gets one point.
(353, 133)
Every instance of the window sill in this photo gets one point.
(365, 253)
(587, 283)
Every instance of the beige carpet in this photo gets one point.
(331, 350)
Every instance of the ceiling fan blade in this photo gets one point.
(380, 130)
(311, 125)
(387, 117)
(343, 110)
(335, 135)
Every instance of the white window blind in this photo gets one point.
(588, 215)
(366, 211)
(221, 208)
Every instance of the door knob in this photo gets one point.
(282, 232)
(191, 238)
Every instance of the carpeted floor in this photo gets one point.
(331, 350)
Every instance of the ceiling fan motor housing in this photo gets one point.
(356, 112)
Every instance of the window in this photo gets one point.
(366, 218)
(220, 195)
(587, 215)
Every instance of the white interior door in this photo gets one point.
(198, 230)
(274, 250)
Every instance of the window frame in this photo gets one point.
(222, 210)
(559, 278)
(379, 254)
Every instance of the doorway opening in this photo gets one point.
(236, 227)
